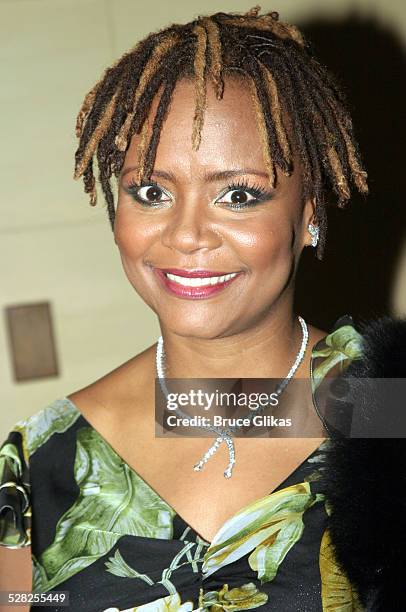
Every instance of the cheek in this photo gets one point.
(133, 240)
(266, 245)
(133, 236)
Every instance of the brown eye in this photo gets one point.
(148, 194)
(151, 193)
(239, 197)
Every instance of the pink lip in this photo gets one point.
(192, 292)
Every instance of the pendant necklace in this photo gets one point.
(225, 434)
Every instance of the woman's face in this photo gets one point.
(210, 213)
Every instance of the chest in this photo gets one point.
(205, 499)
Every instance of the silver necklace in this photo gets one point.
(225, 434)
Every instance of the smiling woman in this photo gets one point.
(207, 214)
(228, 140)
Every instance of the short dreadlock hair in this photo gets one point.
(298, 104)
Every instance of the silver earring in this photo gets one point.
(314, 231)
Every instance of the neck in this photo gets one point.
(266, 351)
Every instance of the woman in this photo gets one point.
(228, 140)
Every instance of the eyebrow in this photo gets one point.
(210, 176)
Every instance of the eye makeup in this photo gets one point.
(257, 194)
(133, 189)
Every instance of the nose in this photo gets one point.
(189, 229)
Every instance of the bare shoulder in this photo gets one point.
(117, 395)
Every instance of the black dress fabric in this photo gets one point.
(98, 530)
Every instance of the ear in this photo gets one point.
(309, 215)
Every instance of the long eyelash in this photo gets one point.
(133, 187)
(255, 190)
(258, 192)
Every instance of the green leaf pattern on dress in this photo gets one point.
(12, 478)
(170, 603)
(38, 428)
(113, 501)
(245, 597)
(336, 350)
(267, 528)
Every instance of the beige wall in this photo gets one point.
(53, 245)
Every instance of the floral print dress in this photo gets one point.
(98, 531)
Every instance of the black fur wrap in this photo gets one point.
(365, 478)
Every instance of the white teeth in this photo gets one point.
(199, 282)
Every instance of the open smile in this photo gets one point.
(195, 284)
